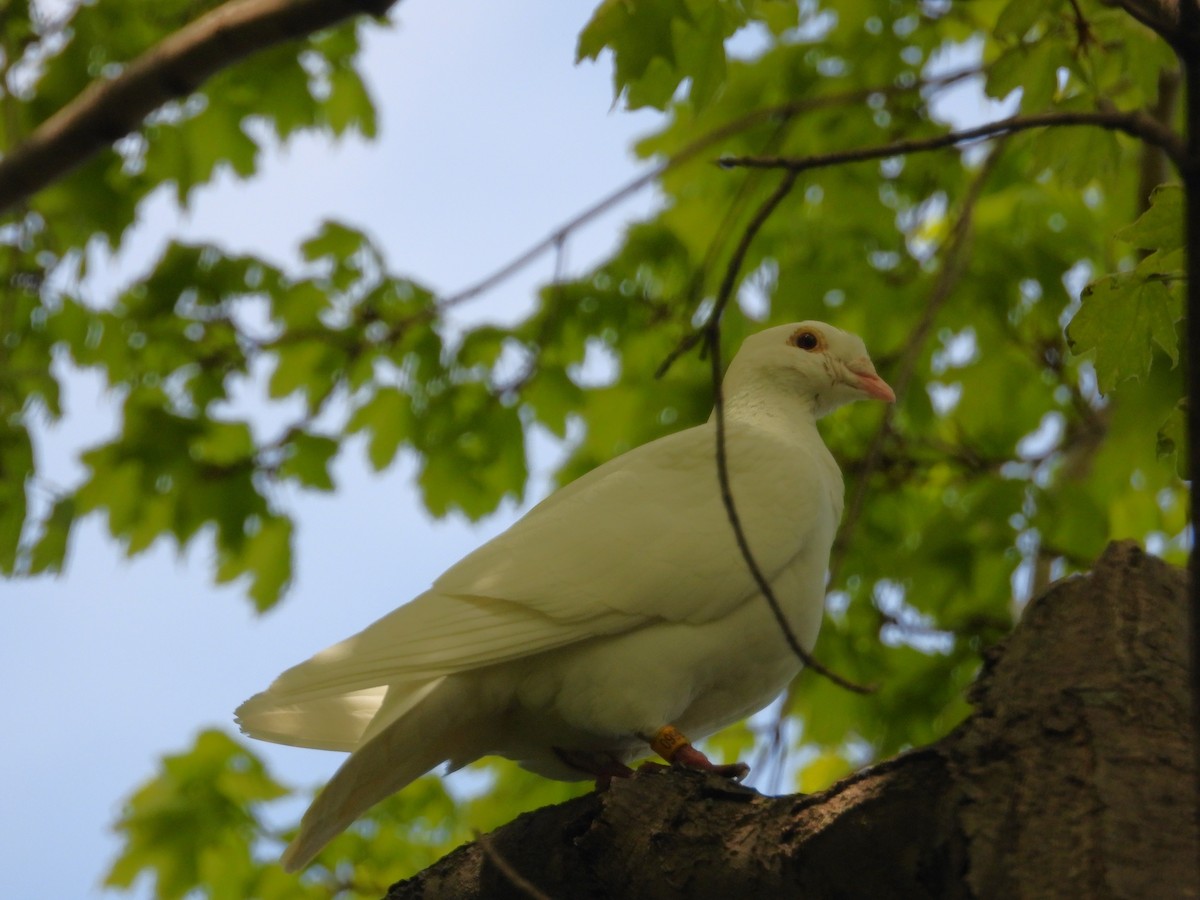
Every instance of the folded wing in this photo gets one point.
(642, 538)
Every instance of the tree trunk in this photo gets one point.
(1074, 777)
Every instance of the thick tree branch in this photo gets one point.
(1136, 124)
(515, 878)
(1063, 783)
(110, 109)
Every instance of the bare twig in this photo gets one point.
(519, 881)
(110, 109)
(780, 111)
(712, 338)
(1137, 124)
(1083, 29)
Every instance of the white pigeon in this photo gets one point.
(618, 613)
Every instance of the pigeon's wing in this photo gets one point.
(644, 537)
(647, 535)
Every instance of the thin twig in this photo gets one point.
(782, 111)
(519, 881)
(1083, 28)
(1137, 124)
(712, 336)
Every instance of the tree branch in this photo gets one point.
(1063, 782)
(1136, 124)
(515, 878)
(736, 126)
(110, 109)
(712, 337)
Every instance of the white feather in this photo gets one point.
(618, 605)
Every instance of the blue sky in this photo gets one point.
(490, 137)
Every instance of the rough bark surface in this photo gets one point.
(1074, 777)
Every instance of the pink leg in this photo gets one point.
(688, 757)
(672, 746)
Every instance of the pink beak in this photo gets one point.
(870, 383)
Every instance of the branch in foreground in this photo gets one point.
(1065, 782)
(712, 336)
(1135, 124)
(108, 110)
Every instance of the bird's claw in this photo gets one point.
(688, 757)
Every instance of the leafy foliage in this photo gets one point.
(193, 823)
(1038, 418)
(202, 824)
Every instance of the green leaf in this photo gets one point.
(657, 44)
(474, 452)
(301, 304)
(387, 416)
(16, 465)
(223, 443)
(1172, 439)
(200, 801)
(335, 241)
(1018, 17)
(553, 397)
(266, 556)
(50, 551)
(1121, 317)
(482, 346)
(307, 367)
(349, 103)
(1159, 228)
(1078, 157)
(1039, 78)
(307, 458)
(780, 16)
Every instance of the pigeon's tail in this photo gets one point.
(410, 735)
(322, 723)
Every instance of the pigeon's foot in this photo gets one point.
(671, 745)
(688, 757)
(604, 767)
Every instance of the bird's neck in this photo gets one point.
(767, 403)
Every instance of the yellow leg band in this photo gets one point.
(667, 741)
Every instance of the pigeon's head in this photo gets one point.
(812, 359)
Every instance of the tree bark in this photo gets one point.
(1074, 777)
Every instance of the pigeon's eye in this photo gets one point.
(806, 340)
